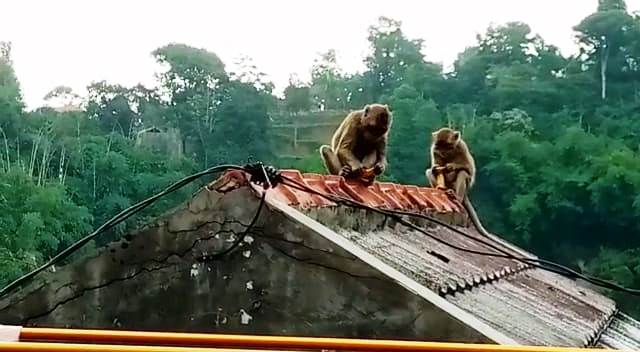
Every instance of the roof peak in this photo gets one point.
(386, 195)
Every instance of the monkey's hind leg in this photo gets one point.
(461, 184)
(331, 161)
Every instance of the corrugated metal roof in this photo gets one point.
(623, 333)
(527, 304)
(532, 311)
(530, 305)
(433, 264)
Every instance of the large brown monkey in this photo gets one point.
(359, 143)
(450, 155)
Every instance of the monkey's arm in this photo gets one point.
(436, 163)
(345, 150)
(465, 162)
(458, 167)
(338, 134)
(381, 156)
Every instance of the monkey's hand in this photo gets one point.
(436, 169)
(345, 171)
(379, 168)
(348, 172)
(354, 169)
(451, 167)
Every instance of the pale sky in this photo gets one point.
(67, 42)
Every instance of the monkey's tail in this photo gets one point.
(478, 225)
(329, 159)
(474, 217)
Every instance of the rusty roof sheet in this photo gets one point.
(380, 194)
(530, 305)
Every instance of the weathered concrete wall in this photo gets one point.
(284, 279)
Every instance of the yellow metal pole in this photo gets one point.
(267, 342)
(64, 347)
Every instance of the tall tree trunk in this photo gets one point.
(61, 166)
(604, 60)
(6, 148)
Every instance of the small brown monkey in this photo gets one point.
(359, 143)
(450, 155)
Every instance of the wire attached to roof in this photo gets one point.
(236, 243)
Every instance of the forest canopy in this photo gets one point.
(555, 137)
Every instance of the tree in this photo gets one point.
(327, 82)
(188, 68)
(242, 130)
(606, 36)
(208, 104)
(391, 55)
(148, 106)
(110, 105)
(621, 266)
(510, 67)
(247, 72)
(36, 223)
(193, 83)
(413, 117)
(62, 96)
(11, 104)
(297, 96)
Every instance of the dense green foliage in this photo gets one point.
(555, 138)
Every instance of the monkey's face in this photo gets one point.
(377, 119)
(445, 138)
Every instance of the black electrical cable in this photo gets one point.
(530, 261)
(489, 244)
(240, 238)
(256, 171)
(535, 262)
